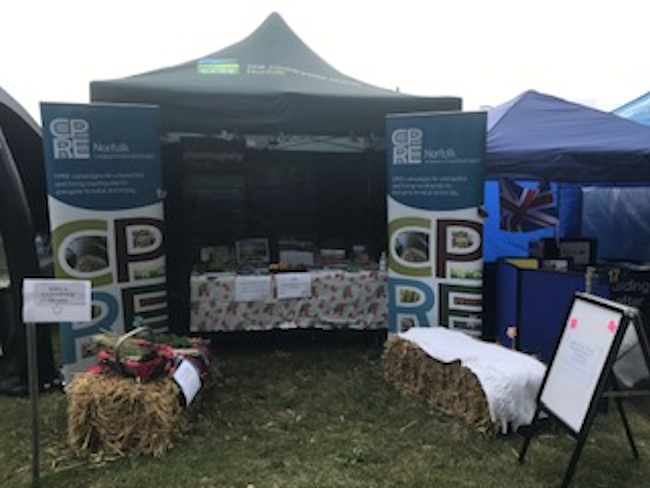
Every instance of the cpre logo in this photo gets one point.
(70, 138)
(407, 146)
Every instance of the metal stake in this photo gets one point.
(32, 369)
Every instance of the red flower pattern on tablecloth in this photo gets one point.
(338, 299)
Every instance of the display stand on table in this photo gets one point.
(582, 369)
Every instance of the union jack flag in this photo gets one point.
(526, 209)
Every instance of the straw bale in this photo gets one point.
(116, 415)
(450, 387)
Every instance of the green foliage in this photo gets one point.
(321, 415)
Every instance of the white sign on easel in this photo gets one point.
(579, 360)
(582, 368)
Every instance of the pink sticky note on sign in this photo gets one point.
(612, 326)
(573, 323)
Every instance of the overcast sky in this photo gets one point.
(593, 52)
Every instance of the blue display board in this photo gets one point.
(535, 303)
(545, 297)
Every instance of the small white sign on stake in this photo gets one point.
(49, 300)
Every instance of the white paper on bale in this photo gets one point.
(50, 300)
(293, 285)
(510, 380)
(253, 288)
(188, 379)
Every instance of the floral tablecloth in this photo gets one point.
(339, 299)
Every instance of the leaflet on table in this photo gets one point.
(293, 285)
(253, 288)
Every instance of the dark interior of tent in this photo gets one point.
(326, 199)
(334, 200)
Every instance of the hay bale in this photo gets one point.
(450, 387)
(117, 415)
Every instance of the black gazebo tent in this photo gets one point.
(270, 82)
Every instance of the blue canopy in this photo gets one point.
(537, 136)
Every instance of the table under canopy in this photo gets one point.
(330, 299)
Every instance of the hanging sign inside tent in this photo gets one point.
(105, 198)
(435, 225)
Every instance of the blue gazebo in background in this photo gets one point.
(637, 109)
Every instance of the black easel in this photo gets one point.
(606, 380)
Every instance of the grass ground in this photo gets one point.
(317, 412)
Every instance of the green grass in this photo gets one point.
(318, 413)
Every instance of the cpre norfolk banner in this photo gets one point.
(104, 182)
(435, 221)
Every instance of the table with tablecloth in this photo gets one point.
(336, 299)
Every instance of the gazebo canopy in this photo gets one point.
(271, 82)
(544, 137)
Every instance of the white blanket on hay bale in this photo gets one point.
(510, 379)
